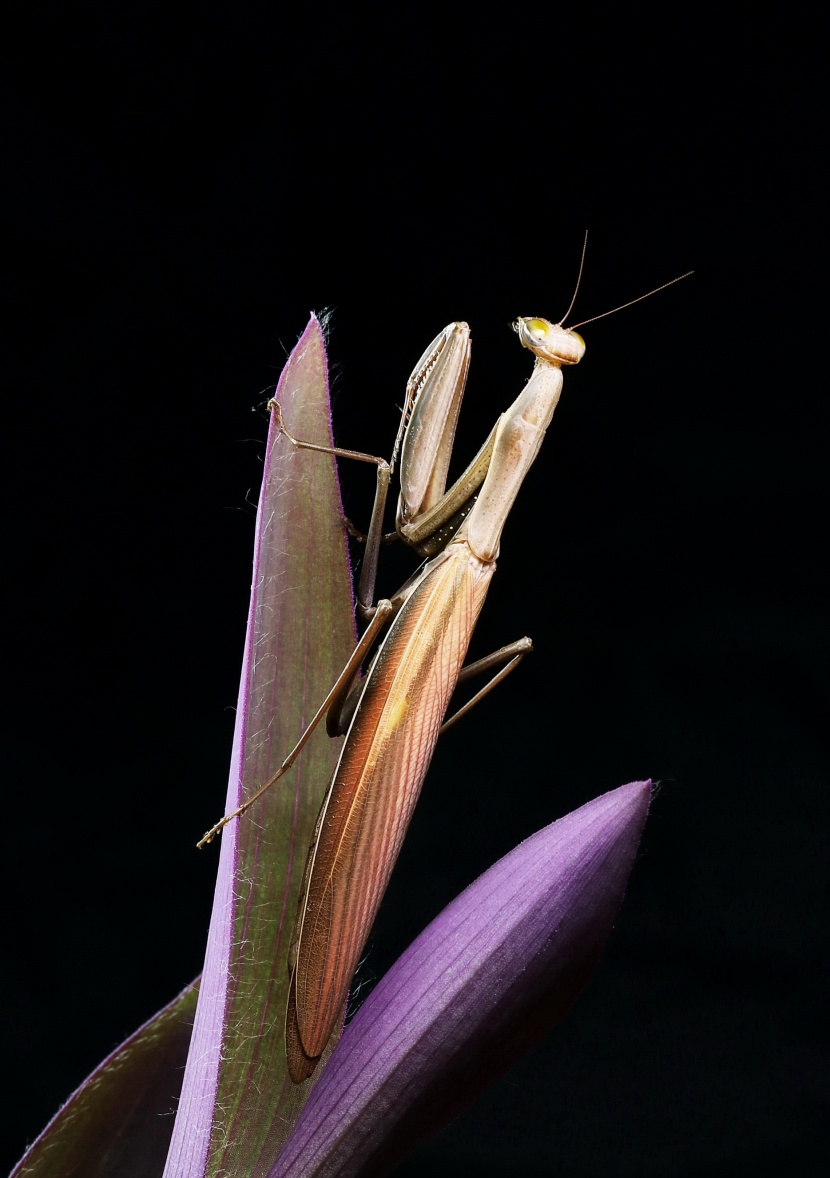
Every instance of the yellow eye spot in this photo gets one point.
(538, 327)
(576, 335)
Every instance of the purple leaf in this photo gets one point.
(497, 969)
(237, 1101)
(118, 1123)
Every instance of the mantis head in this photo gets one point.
(550, 341)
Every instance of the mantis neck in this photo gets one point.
(519, 435)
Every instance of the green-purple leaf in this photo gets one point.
(237, 1101)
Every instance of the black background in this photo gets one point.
(181, 189)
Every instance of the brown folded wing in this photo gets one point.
(376, 786)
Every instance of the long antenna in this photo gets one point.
(631, 302)
(578, 279)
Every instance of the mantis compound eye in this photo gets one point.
(538, 328)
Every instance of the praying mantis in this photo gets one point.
(394, 714)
